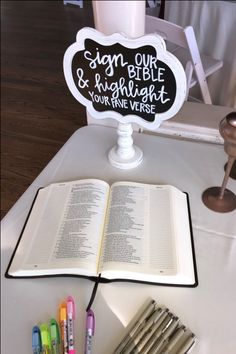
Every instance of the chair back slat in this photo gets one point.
(169, 31)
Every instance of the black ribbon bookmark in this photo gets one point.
(93, 293)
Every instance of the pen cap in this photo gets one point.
(36, 338)
(45, 336)
(90, 321)
(62, 312)
(70, 306)
(54, 330)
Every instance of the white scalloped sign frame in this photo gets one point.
(130, 80)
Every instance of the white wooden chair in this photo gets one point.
(182, 43)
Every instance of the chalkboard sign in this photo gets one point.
(131, 80)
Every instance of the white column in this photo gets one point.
(127, 17)
(120, 16)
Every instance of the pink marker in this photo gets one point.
(70, 305)
(90, 328)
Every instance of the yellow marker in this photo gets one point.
(63, 325)
(45, 339)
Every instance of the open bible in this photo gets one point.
(129, 231)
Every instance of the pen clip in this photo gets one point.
(70, 306)
(90, 321)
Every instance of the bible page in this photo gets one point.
(139, 241)
(64, 231)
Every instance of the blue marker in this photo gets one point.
(36, 340)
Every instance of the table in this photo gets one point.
(208, 310)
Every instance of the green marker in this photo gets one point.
(55, 336)
(45, 338)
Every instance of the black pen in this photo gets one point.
(185, 341)
(173, 339)
(160, 342)
(154, 330)
(141, 331)
(159, 318)
(142, 319)
(157, 336)
(187, 344)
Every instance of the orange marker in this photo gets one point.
(63, 325)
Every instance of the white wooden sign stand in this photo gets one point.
(125, 154)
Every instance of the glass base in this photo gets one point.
(212, 201)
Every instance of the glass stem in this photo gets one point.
(226, 177)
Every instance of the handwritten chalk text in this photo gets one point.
(108, 60)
